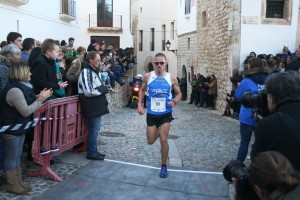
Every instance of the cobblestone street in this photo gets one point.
(203, 140)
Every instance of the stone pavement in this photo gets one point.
(200, 140)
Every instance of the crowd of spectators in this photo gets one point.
(204, 91)
(51, 67)
(280, 62)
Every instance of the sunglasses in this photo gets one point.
(159, 63)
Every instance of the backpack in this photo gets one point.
(74, 71)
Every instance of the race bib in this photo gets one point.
(158, 104)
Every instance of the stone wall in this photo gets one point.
(187, 57)
(218, 42)
(120, 98)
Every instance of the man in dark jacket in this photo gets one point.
(44, 68)
(280, 130)
(91, 46)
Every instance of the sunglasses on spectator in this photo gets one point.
(159, 63)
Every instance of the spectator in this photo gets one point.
(33, 55)
(15, 38)
(71, 44)
(194, 84)
(286, 53)
(28, 45)
(253, 82)
(92, 45)
(72, 74)
(204, 92)
(18, 102)
(229, 100)
(294, 65)
(63, 43)
(44, 68)
(279, 131)
(80, 51)
(38, 43)
(235, 79)
(212, 92)
(273, 177)
(252, 54)
(93, 101)
(3, 43)
(8, 54)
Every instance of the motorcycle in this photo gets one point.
(134, 98)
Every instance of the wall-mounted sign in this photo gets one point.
(250, 20)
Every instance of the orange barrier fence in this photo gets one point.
(60, 123)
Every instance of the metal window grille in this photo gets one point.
(187, 9)
(275, 9)
(163, 43)
(68, 7)
(141, 41)
(152, 40)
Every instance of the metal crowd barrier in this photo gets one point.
(60, 123)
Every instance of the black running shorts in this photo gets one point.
(158, 120)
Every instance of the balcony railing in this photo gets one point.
(68, 10)
(115, 23)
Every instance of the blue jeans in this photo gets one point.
(94, 128)
(13, 146)
(246, 133)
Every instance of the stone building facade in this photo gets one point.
(214, 47)
(218, 42)
(187, 58)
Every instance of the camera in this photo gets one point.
(257, 101)
(244, 189)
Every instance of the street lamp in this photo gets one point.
(168, 45)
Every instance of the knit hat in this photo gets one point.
(93, 41)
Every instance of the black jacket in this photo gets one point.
(273, 134)
(9, 115)
(92, 93)
(44, 74)
(295, 65)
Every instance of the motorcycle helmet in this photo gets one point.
(139, 76)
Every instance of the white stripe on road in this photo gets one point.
(173, 170)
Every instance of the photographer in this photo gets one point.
(253, 82)
(273, 177)
(280, 130)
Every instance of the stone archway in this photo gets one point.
(183, 83)
(148, 66)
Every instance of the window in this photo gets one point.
(204, 19)
(68, 7)
(141, 41)
(276, 12)
(152, 40)
(172, 36)
(187, 9)
(163, 41)
(189, 44)
(275, 9)
(104, 13)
